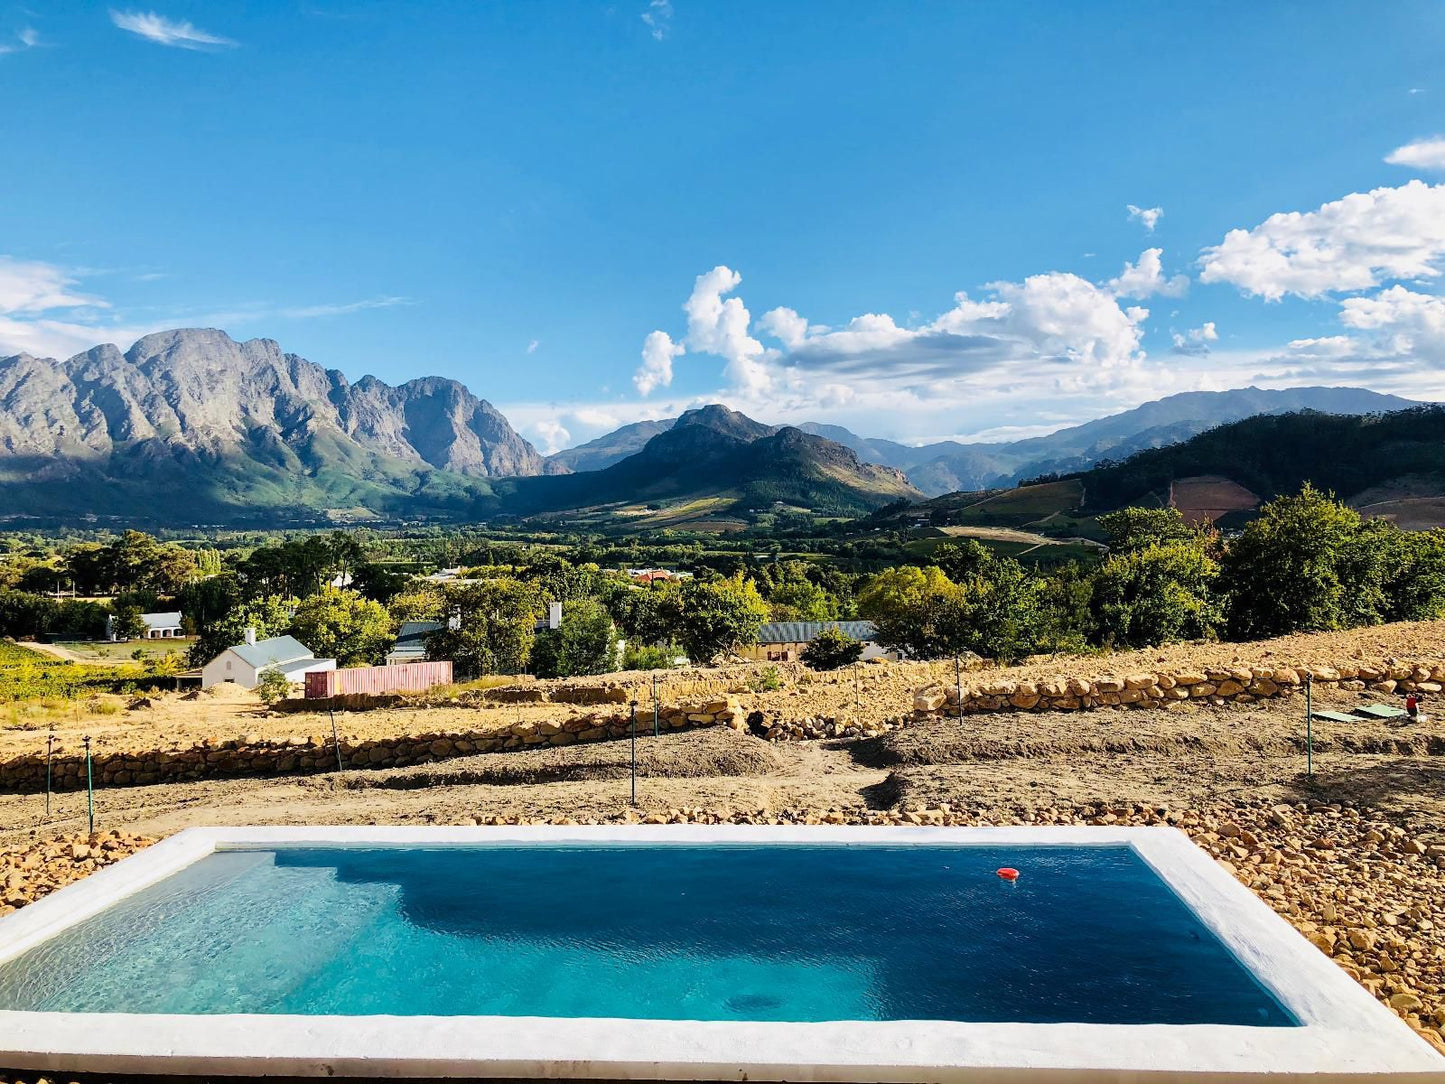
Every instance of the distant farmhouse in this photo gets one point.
(410, 645)
(166, 626)
(244, 664)
(783, 641)
(656, 575)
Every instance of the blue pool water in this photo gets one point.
(661, 932)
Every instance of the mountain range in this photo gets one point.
(191, 426)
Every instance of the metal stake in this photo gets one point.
(335, 741)
(1309, 724)
(857, 692)
(655, 729)
(634, 752)
(958, 684)
(49, 751)
(89, 788)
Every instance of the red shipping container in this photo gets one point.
(404, 677)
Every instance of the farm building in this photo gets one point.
(410, 644)
(244, 664)
(160, 626)
(783, 641)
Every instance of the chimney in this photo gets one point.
(250, 634)
(554, 616)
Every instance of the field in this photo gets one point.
(29, 675)
(1208, 497)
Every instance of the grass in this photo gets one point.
(149, 649)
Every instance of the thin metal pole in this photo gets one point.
(634, 752)
(655, 729)
(958, 684)
(335, 741)
(857, 692)
(49, 752)
(1309, 724)
(89, 788)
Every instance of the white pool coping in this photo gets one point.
(1345, 1034)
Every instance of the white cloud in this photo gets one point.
(658, 18)
(1421, 154)
(532, 346)
(27, 38)
(1148, 217)
(310, 312)
(1195, 342)
(1145, 278)
(550, 435)
(157, 28)
(1350, 244)
(718, 325)
(785, 325)
(31, 287)
(658, 350)
(1404, 322)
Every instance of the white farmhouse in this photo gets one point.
(166, 626)
(245, 663)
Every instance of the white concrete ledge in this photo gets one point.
(1344, 1033)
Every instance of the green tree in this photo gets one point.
(269, 616)
(802, 600)
(341, 624)
(272, 686)
(718, 617)
(1415, 573)
(585, 643)
(918, 611)
(490, 627)
(832, 649)
(1303, 565)
(127, 624)
(1159, 593)
(1135, 528)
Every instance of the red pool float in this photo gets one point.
(1008, 873)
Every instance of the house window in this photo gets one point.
(228, 664)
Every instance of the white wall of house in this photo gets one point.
(792, 652)
(230, 667)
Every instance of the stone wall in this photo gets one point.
(1236, 684)
(303, 754)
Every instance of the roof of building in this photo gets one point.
(162, 621)
(802, 632)
(278, 649)
(411, 640)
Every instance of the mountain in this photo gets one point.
(236, 430)
(737, 466)
(608, 449)
(948, 466)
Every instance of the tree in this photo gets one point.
(802, 600)
(1156, 594)
(832, 649)
(127, 624)
(718, 617)
(1303, 565)
(1415, 573)
(490, 627)
(1135, 528)
(341, 624)
(585, 643)
(419, 601)
(269, 616)
(918, 611)
(272, 686)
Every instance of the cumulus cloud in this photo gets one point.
(176, 33)
(1195, 342)
(658, 18)
(1148, 217)
(658, 350)
(1421, 154)
(1404, 322)
(1146, 278)
(785, 325)
(549, 435)
(1354, 243)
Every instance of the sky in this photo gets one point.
(921, 221)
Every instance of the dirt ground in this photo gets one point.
(1002, 766)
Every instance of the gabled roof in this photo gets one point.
(278, 649)
(802, 632)
(162, 621)
(411, 640)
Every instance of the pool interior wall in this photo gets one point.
(771, 933)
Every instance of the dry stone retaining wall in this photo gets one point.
(317, 753)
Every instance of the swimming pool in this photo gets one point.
(677, 952)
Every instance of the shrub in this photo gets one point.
(832, 649)
(650, 657)
(273, 686)
(766, 680)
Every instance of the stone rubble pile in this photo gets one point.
(39, 868)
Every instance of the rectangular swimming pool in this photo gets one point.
(738, 951)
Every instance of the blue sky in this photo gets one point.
(777, 204)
